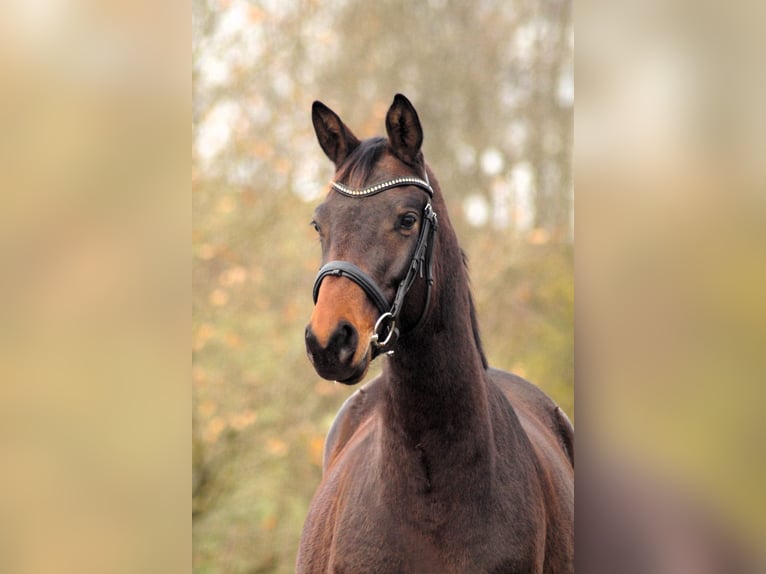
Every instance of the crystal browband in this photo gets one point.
(383, 186)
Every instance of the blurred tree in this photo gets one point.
(492, 83)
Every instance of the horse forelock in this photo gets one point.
(361, 163)
(370, 156)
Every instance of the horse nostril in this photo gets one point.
(312, 343)
(345, 331)
(344, 341)
(340, 347)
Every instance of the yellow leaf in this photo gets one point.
(242, 420)
(316, 450)
(276, 446)
(219, 298)
(213, 430)
(206, 408)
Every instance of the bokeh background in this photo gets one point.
(671, 277)
(95, 435)
(493, 85)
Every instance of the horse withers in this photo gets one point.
(440, 464)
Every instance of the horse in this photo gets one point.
(440, 464)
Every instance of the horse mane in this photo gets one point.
(474, 318)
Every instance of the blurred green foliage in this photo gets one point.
(488, 106)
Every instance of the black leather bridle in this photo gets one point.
(386, 331)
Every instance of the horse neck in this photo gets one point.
(436, 391)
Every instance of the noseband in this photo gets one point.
(386, 331)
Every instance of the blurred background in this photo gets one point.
(95, 292)
(493, 85)
(671, 277)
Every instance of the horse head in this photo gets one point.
(376, 227)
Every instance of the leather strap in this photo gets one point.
(344, 268)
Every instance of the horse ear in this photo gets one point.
(334, 137)
(404, 132)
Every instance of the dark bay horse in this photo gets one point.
(441, 464)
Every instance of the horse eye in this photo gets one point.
(315, 225)
(408, 221)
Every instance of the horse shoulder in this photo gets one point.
(355, 409)
(528, 400)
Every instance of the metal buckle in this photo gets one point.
(430, 214)
(381, 322)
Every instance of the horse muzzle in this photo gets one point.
(338, 336)
(335, 360)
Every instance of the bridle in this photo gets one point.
(386, 332)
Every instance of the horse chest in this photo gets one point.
(425, 535)
(418, 519)
(402, 549)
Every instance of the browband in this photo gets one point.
(383, 186)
